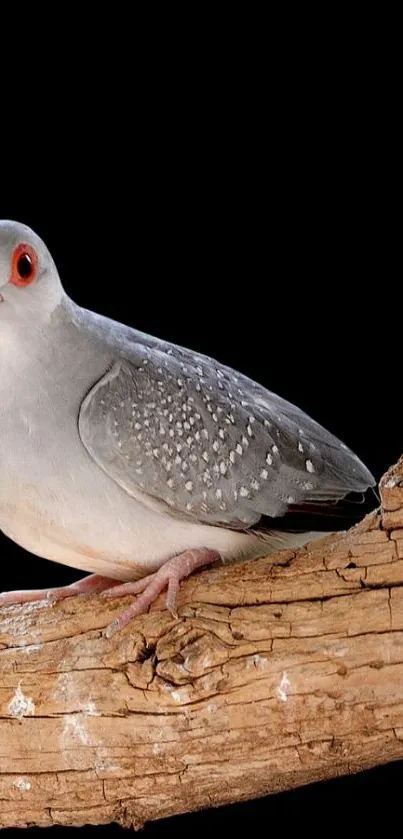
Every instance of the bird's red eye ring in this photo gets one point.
(24, 266)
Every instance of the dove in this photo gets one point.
(137, 460)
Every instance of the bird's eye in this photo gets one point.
(24, 266)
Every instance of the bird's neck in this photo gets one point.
(58, 356)
(25, 341)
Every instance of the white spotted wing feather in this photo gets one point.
(183, 431)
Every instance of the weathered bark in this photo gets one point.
(274, 675)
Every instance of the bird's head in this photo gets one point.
(30, 288)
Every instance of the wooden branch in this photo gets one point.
(277, 673)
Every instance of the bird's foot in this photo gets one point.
(93, 584)
(169, 575)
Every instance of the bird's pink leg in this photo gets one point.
(93, 584)
(169, 575)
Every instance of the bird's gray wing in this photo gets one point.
(186, 433)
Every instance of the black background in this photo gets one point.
(266, 236)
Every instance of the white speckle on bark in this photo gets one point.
(74, 729)
(392, 482)
(157, 748)
(259, 660)
(21, 706)
(206, 661)
(103, 764)
(283, 687)
(22, 784)
(91, 709)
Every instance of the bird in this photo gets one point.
(138, 460)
